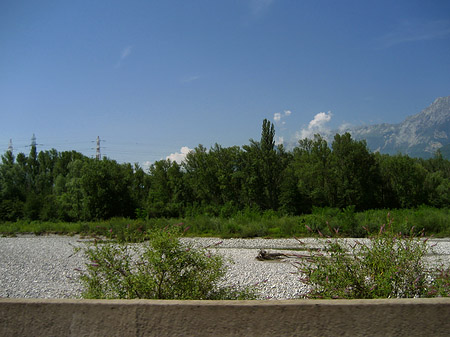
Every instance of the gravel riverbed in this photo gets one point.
(46, 266)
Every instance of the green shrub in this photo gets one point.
(160, 268)
(432, 220)
(250, 222)
(390, 265)
(289, 226)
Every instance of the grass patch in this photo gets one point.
(246, 225)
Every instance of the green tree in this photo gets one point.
(437, 180)
(228, 171)
(262, 166)
(166, 193)
(45, 184)
(311, 164)
(437, 164)
(202, 178)
(140, 189)
(65, 158)
(403, 181)
(105, 186)
(45, 177)
(355, 171)
(437, 189)
(12, 188)
(291, 200)
(271, 166)
(33, 200)
(69, 192)
(32, 167)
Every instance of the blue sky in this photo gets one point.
(152, 77)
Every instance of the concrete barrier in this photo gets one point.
(396, 317)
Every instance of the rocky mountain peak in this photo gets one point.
(419, 135)
(437, 113)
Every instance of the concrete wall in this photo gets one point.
(404, 317)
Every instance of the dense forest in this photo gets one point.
(220, 181)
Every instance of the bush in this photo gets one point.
(390, 265)
(160, 268)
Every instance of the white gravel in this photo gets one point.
(46, 266)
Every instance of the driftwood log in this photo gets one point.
(265, 255)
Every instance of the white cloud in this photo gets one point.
(319, 120)
(344, 127)
(278, 117)
(179, 156)
(146, 165)
(317, 125)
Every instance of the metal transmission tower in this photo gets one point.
(98, 154)
(33, 143)
(10, 146)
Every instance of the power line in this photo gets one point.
(127, 151)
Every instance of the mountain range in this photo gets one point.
(419, 135)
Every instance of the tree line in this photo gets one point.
(220, 181)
